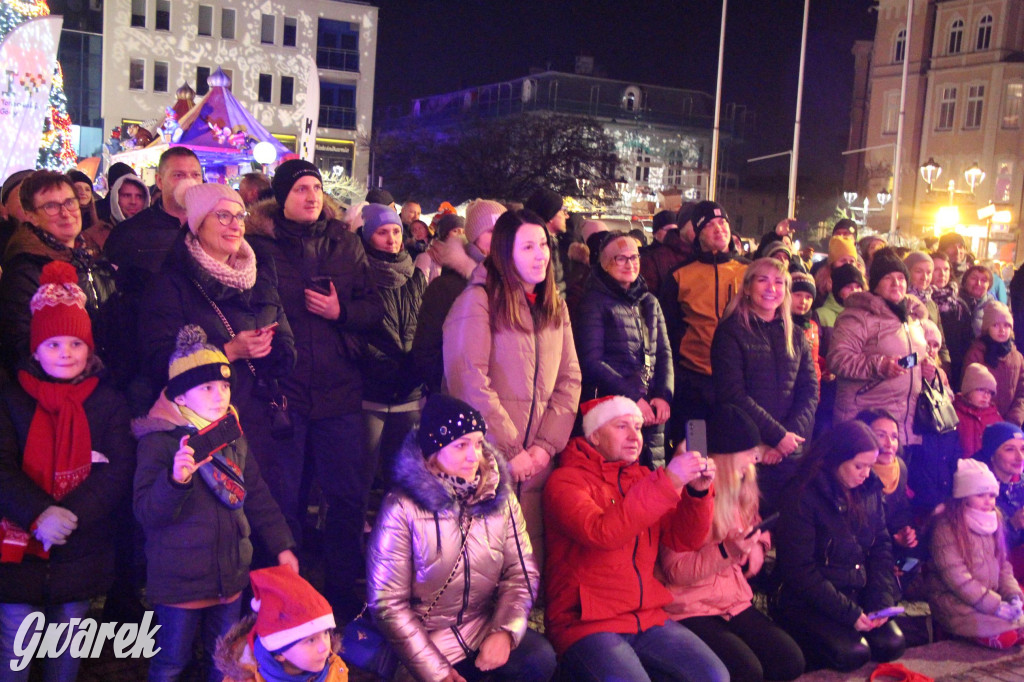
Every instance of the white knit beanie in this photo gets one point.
(973, 478)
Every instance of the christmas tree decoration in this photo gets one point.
(55, 150)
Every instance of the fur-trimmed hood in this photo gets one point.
(410, 476)
(163, 416)
(234, 657)
(263, 215)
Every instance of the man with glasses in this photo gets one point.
(52, 231)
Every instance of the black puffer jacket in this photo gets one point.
(428, 345)
(326, 381)
(23, 263)
(619, 331)
(827, 561)
(196, 547)
(750, 369)
(84, 567)
(389, 373)
(173, 300)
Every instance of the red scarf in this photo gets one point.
(58, 450)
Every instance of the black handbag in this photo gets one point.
(935, 412)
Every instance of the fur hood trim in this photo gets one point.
(875, 304)
(234, 658)
(261, 223)
(163, 416)
(411, 477)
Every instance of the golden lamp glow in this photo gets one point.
(1003, 217)
(948, 216)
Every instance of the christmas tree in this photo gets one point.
(55, 151)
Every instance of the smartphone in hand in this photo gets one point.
(886, 613)
(215, 437)
(764, 525)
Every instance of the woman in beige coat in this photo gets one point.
(873, 335)
(509, 352)
(450, 572)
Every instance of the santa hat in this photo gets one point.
(600, 411)
(58, 306)
(973, 478)
(287, 608)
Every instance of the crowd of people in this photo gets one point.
(635, 439)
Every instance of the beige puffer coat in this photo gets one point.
(413, 549)
(865, 333)
(964, 592)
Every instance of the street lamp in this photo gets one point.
(930, 172)
(974, 176)
(884, 197)
(850, 197)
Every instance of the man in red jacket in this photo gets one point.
(605, 516)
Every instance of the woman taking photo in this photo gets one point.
(879, 353)
(508, 352)
(834, 555)
(451, 576)
(211, 279)
(622, 341)
(761, 363)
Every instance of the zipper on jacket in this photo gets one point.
(465, 580)
(910, 387)
(636, 569)
(714, 264)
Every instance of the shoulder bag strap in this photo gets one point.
(223, 319)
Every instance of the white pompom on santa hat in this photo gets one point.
(287, 608)
(600, 411)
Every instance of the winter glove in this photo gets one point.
(54, 526)
(1008, 611)
(1018, 606)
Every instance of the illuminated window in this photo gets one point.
(227, 24)
(891, 113)
(956, 37)
(947, 109)
(975, 103)
(1012, 105)
(984, 32)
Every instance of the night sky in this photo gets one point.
(429, 47)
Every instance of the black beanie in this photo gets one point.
(731, 430)
(883, 262)
(846, 274)
(805, 283)
(446, 419)
(545, 202)
(705, 212)
(376, 195)
(75, 175)
(447, 223)
(117, 170)
(845, 224)
(287, 174)
(661, 219)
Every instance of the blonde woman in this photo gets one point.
(709, 586)
(762, 364)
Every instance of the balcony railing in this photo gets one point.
(338, 117)
(337, 59)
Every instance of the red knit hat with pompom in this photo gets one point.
(58, 307)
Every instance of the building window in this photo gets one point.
(947, 109)
(205, 20)
(287, 90)
(139, 13)
(899, 50)
(975, 101)
(1012, 105)
(163, 15)
(891, 113)
(160, 76)
(337, 45)
(137, 74)
(643, 165)
(267, 29)
(266, 87)
(291, 28)
(202, 74)
(227, 24)
(337, 106)
(984, 32)
(956, 37)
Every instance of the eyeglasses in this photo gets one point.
(52, 208)
(225, 217)
(630, 260)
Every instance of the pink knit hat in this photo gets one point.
(200, 200)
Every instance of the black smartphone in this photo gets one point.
(908, 361)
(216, 436)
(764, 525)
(321, 285)
(697, 436)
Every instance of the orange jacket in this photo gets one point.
(604, 522)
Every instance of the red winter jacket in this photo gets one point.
(973, 421)
(603, 524)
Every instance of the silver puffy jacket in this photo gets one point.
(413, 550)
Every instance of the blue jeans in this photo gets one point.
(532, 661)
(665, 652)
(334, 447)
(177, 634)
(54, 669)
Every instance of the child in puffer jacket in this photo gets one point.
(974, 406)
(972, 591)
(995, 349)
